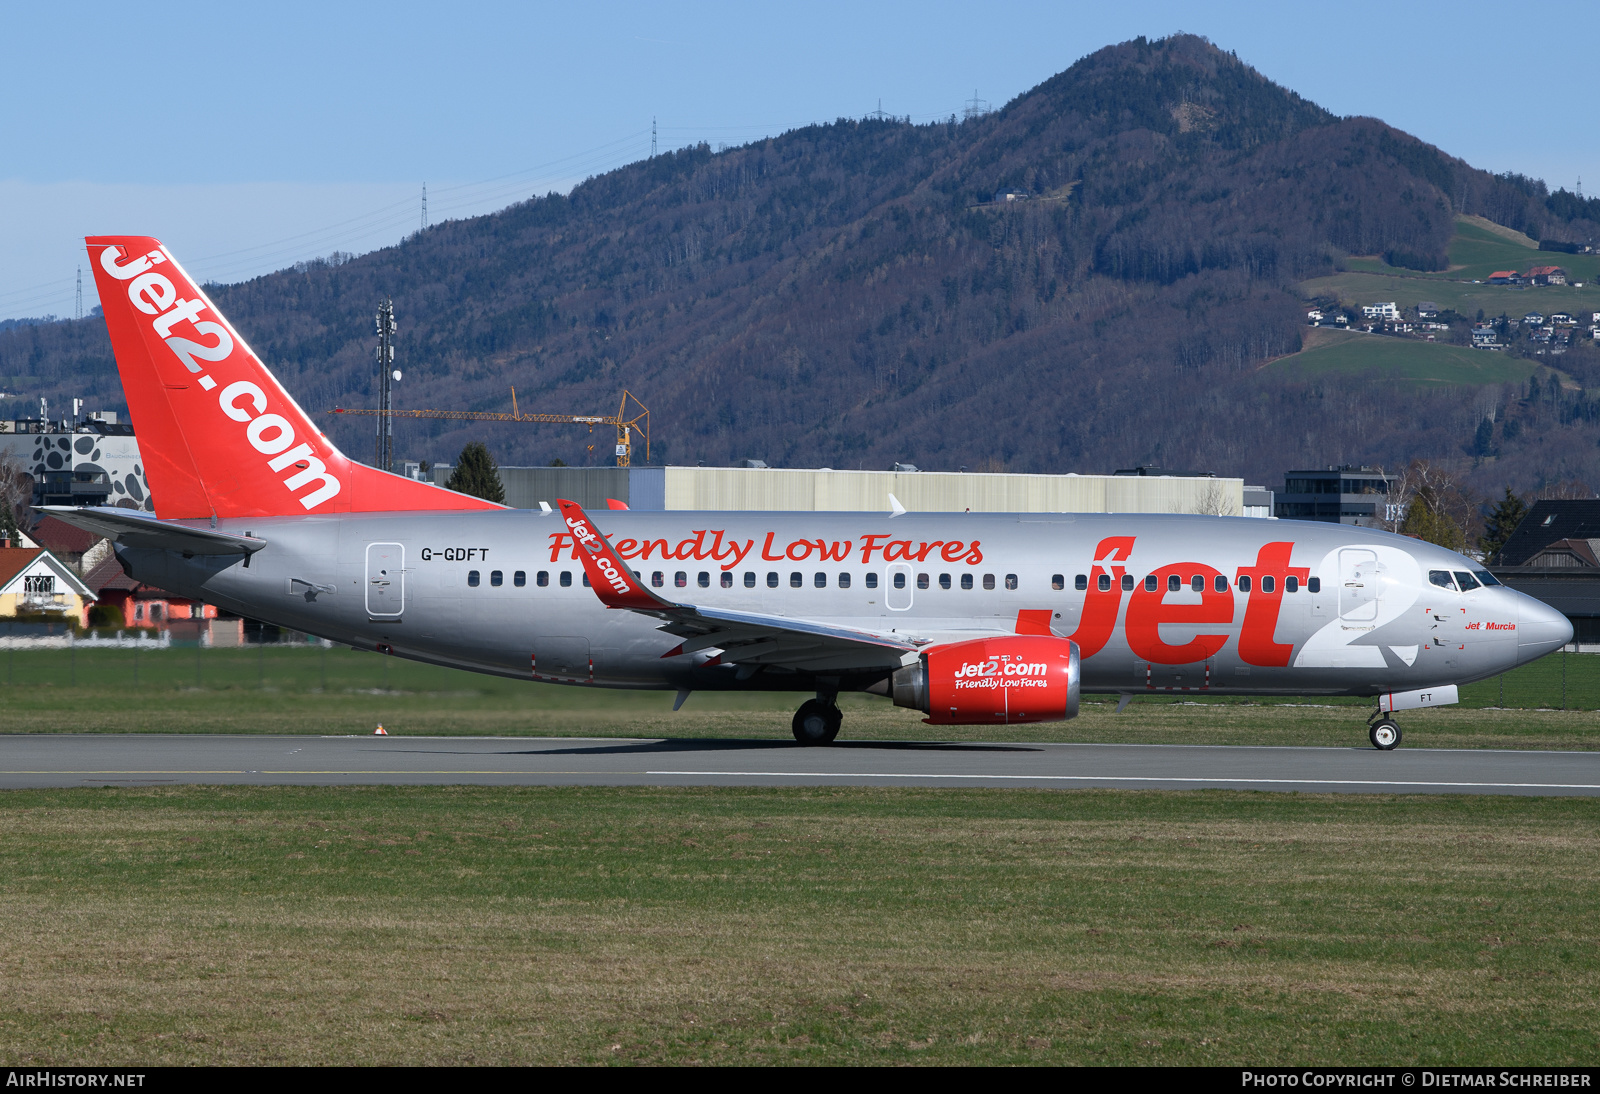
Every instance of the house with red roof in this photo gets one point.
(1505, 277)
(1546, 275)
(35, 582)
(143, 605)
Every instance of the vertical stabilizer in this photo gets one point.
(217, 433)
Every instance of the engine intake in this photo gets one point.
(992, 681)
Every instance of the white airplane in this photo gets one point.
(970, 618)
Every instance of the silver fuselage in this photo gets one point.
(444, 588)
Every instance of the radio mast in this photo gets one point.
(386, 330)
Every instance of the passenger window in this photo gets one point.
(542, 578)
(1466, 581)
(872, 581)
(749, 579)
(796, 580)
(1058, 582)
(820, 580)
(566, 578)
(899, 581)
(1081, 583)
(966, 581)
(772, 580)
(1150, 582)
(922, 581)
(1244, 583)
(1197, 583)
(1268, 584)
(727, 579)
(1127, 583)
(1313, 584)
(680, 579)
(1011, 581)
(1220, 583)
(944, 581)
(1291, 584)
(520, 578)
(844, 581)
(1105, 583)
(703, 580)
(1442, 579)
(658, 579)
(496, 578)
(988, 581)
(1174, 583)
(1485, 577)
(472, 578)
(586, 584)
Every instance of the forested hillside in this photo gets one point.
(854, 294)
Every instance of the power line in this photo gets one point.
(652, 137)
(424, 207)
(80, 293)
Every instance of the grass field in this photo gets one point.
(1335, 351)
(1354, 287)
(300, 690)
(486, 926)
(1480, 248)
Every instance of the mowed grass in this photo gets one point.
(565, 925)
(1354, 287)
(1479, 248)
(1409, 359)
(339, 691)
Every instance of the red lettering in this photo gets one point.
(805, 547)
(654, 544)
(1148, 610)
(627, 548)
(897, 550)
(1256, 645)
(974, 556)
(951, 551)
(923, 549)
(1100, 608)
(869, 544)
(559, 540)
(735, 553)
(692, 548)
(766, 549)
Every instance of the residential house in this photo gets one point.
(1554, 555)
(1485, 337)
(1562, 319)
(1314, 317)
(81, 550)
(143, 605)
(1505, 277)
(1533, 319)
(35, 582)
(1546, 275)
(1380, 311)
(1427, 310)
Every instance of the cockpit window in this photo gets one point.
(1466, 581)
(1442, 579)
(1485, 577)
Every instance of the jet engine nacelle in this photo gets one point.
(993, 681)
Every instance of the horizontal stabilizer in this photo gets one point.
(131, 528)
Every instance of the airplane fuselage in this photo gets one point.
(1155, 603)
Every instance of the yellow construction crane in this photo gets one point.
(628, 420)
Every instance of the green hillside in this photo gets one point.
(1407, 290)
(1477, 251)
(1403, 359)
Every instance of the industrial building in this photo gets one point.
(1337, 495)
(90, 461)
(825, 489)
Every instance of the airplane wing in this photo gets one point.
(132, 528)
(745, 638)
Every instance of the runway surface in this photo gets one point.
(90, 760)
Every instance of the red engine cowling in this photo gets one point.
(993, 681)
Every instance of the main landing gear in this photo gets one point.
(817, 721)
(1384, 732)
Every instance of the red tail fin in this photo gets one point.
(217, 433)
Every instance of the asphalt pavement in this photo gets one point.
(157, 760)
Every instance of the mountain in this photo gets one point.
(864, 292)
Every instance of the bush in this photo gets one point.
(1414, 260)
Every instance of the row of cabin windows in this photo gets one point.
(1197, 583)
(680, 579)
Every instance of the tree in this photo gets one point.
(16, 491)
(477, 474)
(1483, 442)
(1214, 502)
(1503, 520)
(1439, 511)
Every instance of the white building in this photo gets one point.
(1380, 311)
(91, 462)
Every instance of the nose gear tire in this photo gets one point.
(1385, 734)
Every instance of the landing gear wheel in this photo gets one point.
(816, 722)
(1385, 734)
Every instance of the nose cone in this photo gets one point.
(1540, 629)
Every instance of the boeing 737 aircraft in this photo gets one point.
(968, 617)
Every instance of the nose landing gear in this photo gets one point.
(1384, 732)
(817, 721)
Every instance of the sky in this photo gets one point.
(249, 137)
